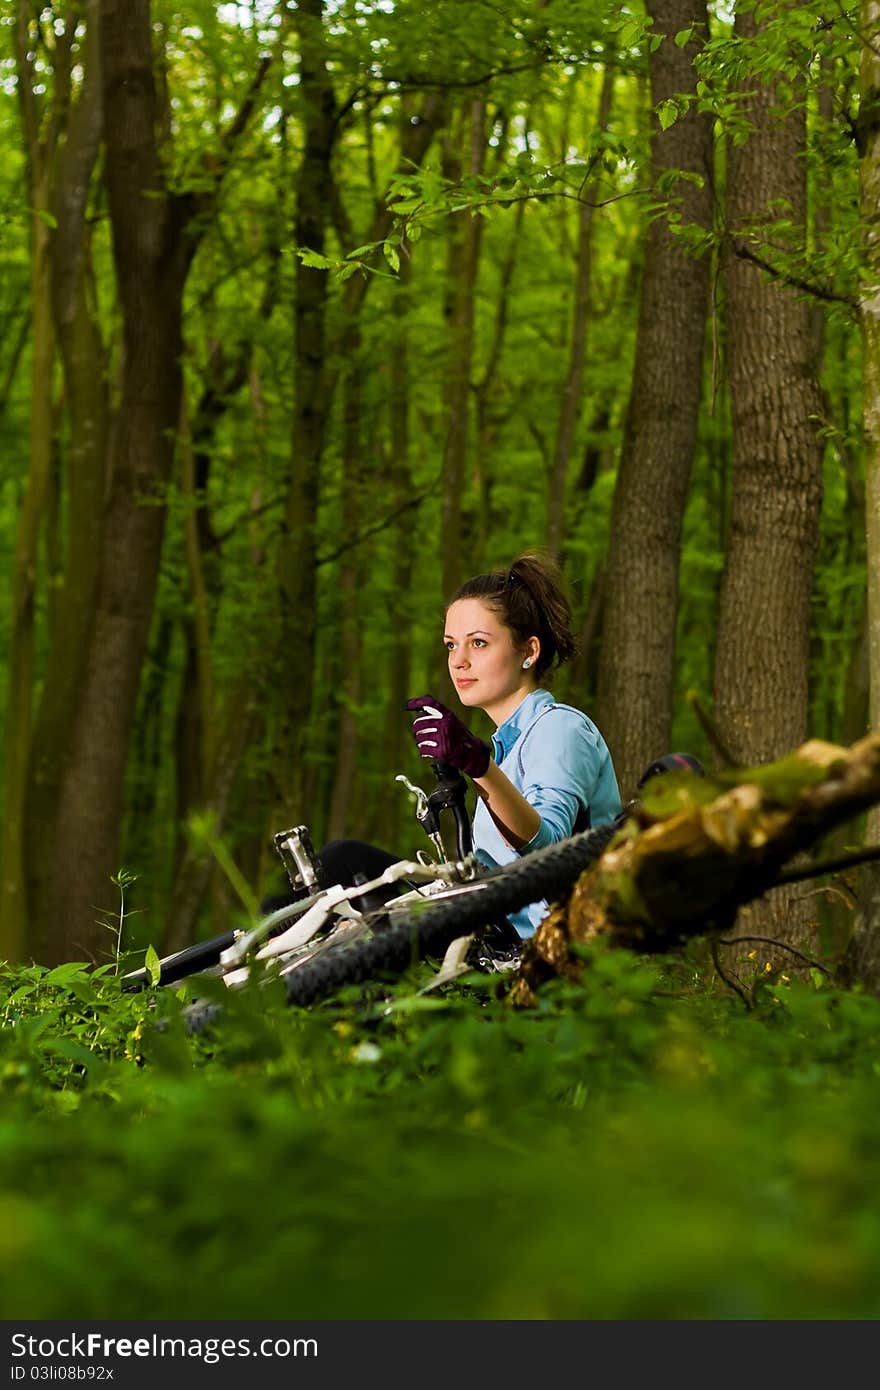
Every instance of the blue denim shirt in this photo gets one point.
(560, 762)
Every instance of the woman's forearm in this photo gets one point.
(517, 820)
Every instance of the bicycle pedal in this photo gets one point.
(454, 963)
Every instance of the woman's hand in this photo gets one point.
(440, 734)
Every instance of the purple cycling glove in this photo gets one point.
(440, 734)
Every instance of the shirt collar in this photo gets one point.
(525, 714)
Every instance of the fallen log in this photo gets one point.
(695, 849)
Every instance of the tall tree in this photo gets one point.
(296, 556)
(42, 131)
(637, 663)
(762, 655)
(351, 618)
(400, 491)
(463, 259)
(866, 936)
(570, 404)
(75, 805)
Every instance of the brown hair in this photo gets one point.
(530, 599)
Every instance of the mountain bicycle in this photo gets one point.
(448, 906)
(318, 908)
(451, 907)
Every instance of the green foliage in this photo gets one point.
(638, 1147)
(538, 72)
(202, 829)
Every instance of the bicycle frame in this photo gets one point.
(478, 912)
(328, 909)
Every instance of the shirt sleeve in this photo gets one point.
(564, 763)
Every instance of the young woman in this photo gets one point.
(548, 772)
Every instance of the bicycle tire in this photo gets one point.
(427, 931)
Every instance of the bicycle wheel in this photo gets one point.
(427, 930)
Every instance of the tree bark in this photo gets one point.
(396, 741)
(348, 691)
(866, 933)
(70, 886)
(465, 233)
(570, 405)
(317, 375)
(75, 571)
(197, 867)
(296, 560)
(637, 660)
(762, 654)
(51, 255)
(19, 686)
(73, 836)
(695, 849)
(490, 393)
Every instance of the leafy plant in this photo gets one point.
(638, 1146)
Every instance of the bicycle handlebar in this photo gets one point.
(449, 794)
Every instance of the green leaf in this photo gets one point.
(415, 1004)
(404, 205)
(391, 256)
(362, 251)
(683, 38)
(73, 1051)
(631, 33)
(151, 965)
(313, 258)
(667, 113)
(63, 974)
(85, 993)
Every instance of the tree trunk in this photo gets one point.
(695, 849)
(75, 571)
(296, 561)
(69, 882)
(19, 687)
(317, 375)
(201, 782)
(42, 135)
(490, 407)
(637, 661)
(347, 694)
(866, 933)
(569, 410)
(197, 867)
(397, 744)
(465, 234)
(761, 663)
(762, 656)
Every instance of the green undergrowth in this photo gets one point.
(640, 1146)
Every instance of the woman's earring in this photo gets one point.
(526, 664)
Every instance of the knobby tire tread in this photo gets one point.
(427, 931)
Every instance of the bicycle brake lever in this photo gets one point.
(420, 796)
(426, 815)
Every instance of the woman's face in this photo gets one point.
(485, 665)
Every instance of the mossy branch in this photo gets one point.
(696, 849)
